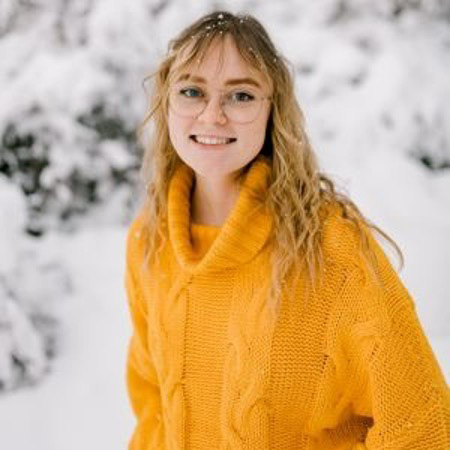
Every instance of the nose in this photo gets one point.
(213, 112)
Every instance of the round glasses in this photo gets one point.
(237, 105)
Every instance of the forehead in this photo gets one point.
(220, 62)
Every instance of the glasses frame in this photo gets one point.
(174, 90)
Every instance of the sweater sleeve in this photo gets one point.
(141, 379)
(398, 382)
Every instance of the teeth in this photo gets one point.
(210, 140)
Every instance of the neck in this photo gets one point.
(213, 199)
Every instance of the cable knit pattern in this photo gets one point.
(245, 409)
(346, 367)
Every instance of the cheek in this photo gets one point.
(257, 132)
(172, 128)
(177, 128)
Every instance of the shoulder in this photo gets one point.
(352, 243)
(341, 236)
(352, 248)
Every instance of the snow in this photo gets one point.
(82, 402)
(375, 95)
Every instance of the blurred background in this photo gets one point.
(372, 78)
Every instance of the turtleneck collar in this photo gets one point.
(243, 234)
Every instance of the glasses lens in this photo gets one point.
(186, 105)
(242, 112)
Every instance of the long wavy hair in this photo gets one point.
(298, 192)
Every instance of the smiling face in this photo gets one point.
(208, 117)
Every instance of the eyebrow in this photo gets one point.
(230, 82)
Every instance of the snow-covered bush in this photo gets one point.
(66, 165)
(372, 76)
(393, 9)
(71, 101)
(30, 297)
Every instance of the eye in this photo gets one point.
(241, 97)
(191, 92)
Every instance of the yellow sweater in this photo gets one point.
(209, 367)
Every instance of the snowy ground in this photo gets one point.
(82, 403)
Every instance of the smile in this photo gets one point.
(211, 140)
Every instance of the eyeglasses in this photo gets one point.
(239, 105)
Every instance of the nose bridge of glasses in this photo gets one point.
(214, 104)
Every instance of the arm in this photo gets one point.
(141, 379)
(403, 388)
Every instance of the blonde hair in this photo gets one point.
(298, 192)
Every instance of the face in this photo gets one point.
(212, 143)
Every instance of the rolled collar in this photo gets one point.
(243, 234)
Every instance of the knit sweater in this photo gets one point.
(346, 366)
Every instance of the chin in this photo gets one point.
(210, 169)
(216, 164)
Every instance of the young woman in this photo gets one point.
(265, 314)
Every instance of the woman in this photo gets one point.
(265, 314)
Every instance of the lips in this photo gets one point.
(211, 140)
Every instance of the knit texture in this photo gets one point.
(211, 367)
